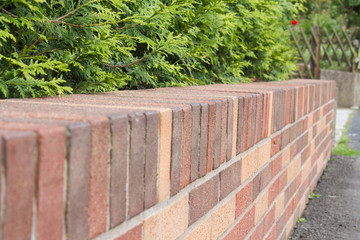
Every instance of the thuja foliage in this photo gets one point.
(51, 47)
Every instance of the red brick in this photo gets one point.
(259, 232)
(195, 141)
(244, 198)
(230, 179)
(136, 164)
(50, 180)
(50, 206)
(176, 147)
(20, 172)
(269, 219)
(282, 180)
(272, 234)
(119, 156)
(151, 159)
(78, 181)
(274, 190)
(276, 166)
(99, 158)
(275, 144)
(203, 198)
(133, 234)
(243, 227)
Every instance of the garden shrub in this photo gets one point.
(53, 47)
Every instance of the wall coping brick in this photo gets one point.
(129, 157)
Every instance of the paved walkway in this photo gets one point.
(336, 213)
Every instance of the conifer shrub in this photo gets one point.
(53, 47)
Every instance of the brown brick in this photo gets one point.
(78, 181)
(244, 198)
(186, 147)
(256, 186)
(99, 165)
(230, 179)
(195, 141)
(20, 172)
(259, 232)
(285, 138)
(176, 151)
(265, 177)
(133, 234)
(276, 165)
(211, 137)
(136, 164)
(275, 144)
(151, 159)
(229, 131)
(203, 140)
(203, 198)
(223, 131)
(119, 156)
(240, 126)
(217, 146)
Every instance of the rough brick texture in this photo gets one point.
(200, 162)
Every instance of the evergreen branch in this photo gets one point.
(183, 60)
(38, 54)
(133, 63)
(76, 25)
(131, 26)
(9, 13)
(73, 11)
(126, 65)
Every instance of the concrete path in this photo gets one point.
(336, 213)
(342, 116)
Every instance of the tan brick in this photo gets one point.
(254, 160)
(161, 226)
(200, 232)
(289, 226)
(302, 204)
(222, 219)
(264, 154)
(248, 166)
(285, 157)
(321, 124)
(305, 171)
(310, 134)
(279, 205)
(234, 127)
(165, 153)
(261, 206)
(293, 168)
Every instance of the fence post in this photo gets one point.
(318, 54)
(313, 49)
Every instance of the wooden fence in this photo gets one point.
(335, 49)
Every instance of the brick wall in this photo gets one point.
(210, 162)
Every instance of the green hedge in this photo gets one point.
(52, 47)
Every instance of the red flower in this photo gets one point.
(294, 22)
